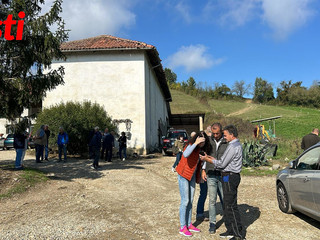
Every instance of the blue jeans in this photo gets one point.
(202, 198)
(108, 150)
(186, 188)
(63, 148)
(19, 152)
(46, 151)
(96, 156)
(124, 149)
(214, 187)
(22, 157)
(178, 158)
(39, 152)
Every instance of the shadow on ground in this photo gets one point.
(76, 168)
(308, 219)
(248, 214)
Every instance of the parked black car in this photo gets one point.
(170, 138)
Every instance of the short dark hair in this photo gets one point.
(217, 125)
(232, 130)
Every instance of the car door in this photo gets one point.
(316, 189)
(301, 181)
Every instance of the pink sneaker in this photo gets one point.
(185, 232)
(193, 228)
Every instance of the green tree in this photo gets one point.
(170, 76)
(314, 95)
(77, 119)
(221, 91)
(184, 86)
(284, 90)
(263, 91)
(24, 64)
(191, 83)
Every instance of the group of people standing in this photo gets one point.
(101, 145)
(41, 141)
(214, 160)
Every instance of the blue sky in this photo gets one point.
(214, 41)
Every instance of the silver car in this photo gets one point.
(298, 185)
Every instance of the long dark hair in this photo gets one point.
(207, 146)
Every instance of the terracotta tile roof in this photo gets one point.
(104, 42)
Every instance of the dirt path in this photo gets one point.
(250, 107)
(134, 199)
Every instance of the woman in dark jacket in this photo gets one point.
(123, 146)
(19, 145)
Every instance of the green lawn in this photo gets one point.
(183, 103)
(227, 107)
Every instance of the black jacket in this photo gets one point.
(122, 141)
(309, 140)
(217, 154)
(19, 141)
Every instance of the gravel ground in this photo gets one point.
(134, 199)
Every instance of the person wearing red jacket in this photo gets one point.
(188, 171)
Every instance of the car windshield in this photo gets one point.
(309, 161)
(176, 134)
(10, 136)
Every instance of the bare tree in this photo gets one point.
(240, 88)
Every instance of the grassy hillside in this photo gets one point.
(294, 124)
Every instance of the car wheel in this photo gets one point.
(283, 199)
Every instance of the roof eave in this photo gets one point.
(103, 49)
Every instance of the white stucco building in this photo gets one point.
(125, 77)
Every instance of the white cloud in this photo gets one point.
(184, 10)
(237, 12)
(282, 16)
(192, 58)
(95, 17)
(286, 16)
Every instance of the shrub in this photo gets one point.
(256, 154)
(289, 149)
(77, 119)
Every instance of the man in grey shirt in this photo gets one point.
(230, 165)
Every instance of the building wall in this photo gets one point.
(156, 109)
(4, 123)
(113, 79)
